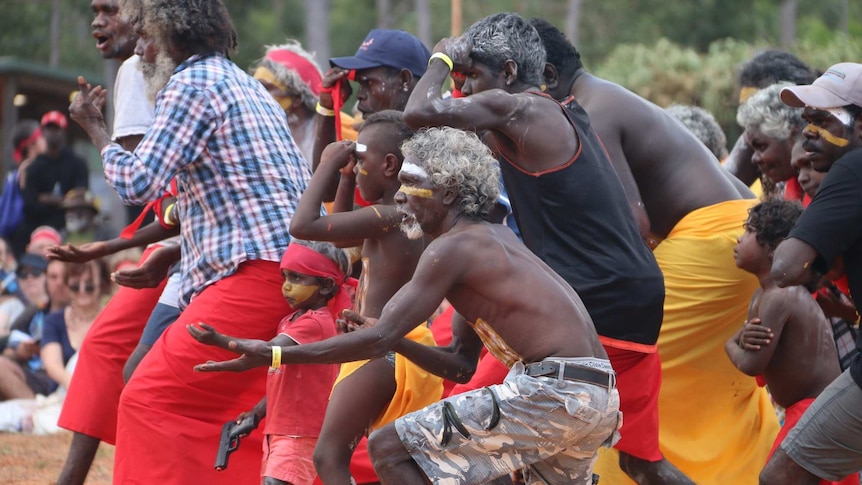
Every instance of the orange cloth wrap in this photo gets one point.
(716, 425)
(417, 387)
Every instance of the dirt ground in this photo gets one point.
(37, 460)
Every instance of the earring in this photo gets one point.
(405, 87)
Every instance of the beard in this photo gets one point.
(157, 74)
(411, 228)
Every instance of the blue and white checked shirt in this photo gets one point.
(238, 170)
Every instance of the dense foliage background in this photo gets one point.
(684, 51)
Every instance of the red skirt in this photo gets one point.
(91, 402)
(170, 416)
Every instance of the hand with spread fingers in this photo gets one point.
(79, 254)
(254, 353)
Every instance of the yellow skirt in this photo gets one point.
(416, 387)
(716, 424)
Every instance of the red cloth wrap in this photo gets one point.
(792, 415)
(91, 402)
(306, 70)
(170, 417)
(639, 381)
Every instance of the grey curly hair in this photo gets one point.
(503, 36)
(703, 126)
(290, 77)
(765, 112)
(459, 161)
(193, 26)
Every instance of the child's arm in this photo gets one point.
(308, 223)
(752, 347)
(247, 421)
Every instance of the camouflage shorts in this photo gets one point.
(551, 427)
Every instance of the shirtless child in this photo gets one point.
(557, 406)
(786, 338)
(369, 394)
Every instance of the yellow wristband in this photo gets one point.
(443, 57)
(167, 219)
(276, 357)
(324, 111)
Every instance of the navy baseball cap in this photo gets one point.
(392, 48)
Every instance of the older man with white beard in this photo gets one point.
(240, 174)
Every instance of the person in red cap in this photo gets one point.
(292, 77)
(50, 176)
(826, 443)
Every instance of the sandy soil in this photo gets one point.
(37, 460)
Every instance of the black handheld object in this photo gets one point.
(227, 444)
(231, 433)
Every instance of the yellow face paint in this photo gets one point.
(745, 93)
(298, 293)
(286, 102)
(264, 74)
(829, 137)
(423, 193)
(362, 171)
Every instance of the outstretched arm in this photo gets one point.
(409, 307)
(153, 232)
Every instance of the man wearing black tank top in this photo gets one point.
(569, 204)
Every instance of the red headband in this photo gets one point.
(306, 70)
(25, 143)
(305, 260)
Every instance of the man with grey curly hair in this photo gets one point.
(454, 169)
(293, 78)
(569, 204)
(558, 404)
(771, 129)
(239, 173)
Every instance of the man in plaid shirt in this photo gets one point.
(240, 174)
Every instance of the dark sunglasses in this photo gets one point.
(76, 287)
(28, 272)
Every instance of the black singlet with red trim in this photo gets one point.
(576, 218)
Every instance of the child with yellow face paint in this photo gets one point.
(297, 395)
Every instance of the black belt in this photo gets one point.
(571, 372)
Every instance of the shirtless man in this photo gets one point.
(569, 205)
(367, 395)
(709, 415)
(558, 404)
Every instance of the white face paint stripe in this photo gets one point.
(413, 169)
(841, 115)
(361, 148)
